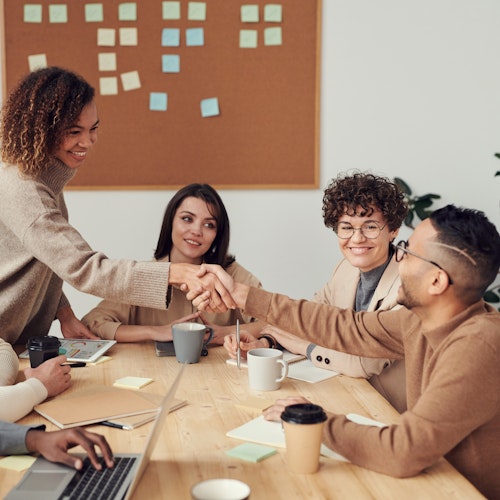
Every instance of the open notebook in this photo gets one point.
(45, 480)
(263, 431)
(299, 368)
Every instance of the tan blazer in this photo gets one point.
(387, 376)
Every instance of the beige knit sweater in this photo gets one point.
(39, 250)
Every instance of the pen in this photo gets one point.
(107, 423)
(78, 364)
(238, 352)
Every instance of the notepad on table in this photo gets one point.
(90, 407)
(133, 421)
(132, 382)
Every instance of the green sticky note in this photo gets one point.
(32, 13)
(251, 452)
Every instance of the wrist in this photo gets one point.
(273, 344)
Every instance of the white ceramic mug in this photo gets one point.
(266, 369)
(221, 489)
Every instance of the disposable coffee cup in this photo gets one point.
(220, 489)
(189, 341)
(303, 426)
(42, 348)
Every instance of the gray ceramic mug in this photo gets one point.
(189, 341)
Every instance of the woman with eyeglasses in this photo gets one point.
(366, 212)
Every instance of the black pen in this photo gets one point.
(107, 423)
(78, 364)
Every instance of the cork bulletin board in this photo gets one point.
(217, 91)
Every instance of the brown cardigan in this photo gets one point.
(452, 379)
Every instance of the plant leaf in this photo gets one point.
(402, 185)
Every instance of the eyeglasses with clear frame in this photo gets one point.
(369, 230)
(402, 247)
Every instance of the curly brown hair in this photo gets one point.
(36, 115)
(347, 193)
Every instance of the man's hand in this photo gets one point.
(71, 326)
(216, 297)
(201, 299)
(274, 412)
(53, 374)
(54, 446)
(247, 342)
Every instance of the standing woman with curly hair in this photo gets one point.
(366, 212)
(49, 125)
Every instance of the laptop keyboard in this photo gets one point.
(92, 484)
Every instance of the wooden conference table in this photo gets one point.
(193, 442)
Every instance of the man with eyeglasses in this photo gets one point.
(448, 336)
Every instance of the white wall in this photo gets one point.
(409, 89)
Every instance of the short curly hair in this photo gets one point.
(37, 114)
(347, 193)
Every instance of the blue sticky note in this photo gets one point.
(251, 452)
(195, 37)
(210, 107)
(158, 101)
(170, 37)
(170, 63)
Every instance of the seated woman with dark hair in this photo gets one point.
(195, 230)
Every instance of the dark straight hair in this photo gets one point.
(218, 251)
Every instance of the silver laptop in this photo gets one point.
(45, 480)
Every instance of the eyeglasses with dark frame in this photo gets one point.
(402, 247)
(369, 230)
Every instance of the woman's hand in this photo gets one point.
(247, 342)
(72, 327)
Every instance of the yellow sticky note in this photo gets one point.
(132, 382)
(130, 80)
(128, 37)
(103, 359)
(106, 37)
(17, 462)
(107, 61)
(197, 11)
(108, 86)
(249, 13)
(127, 11)
(37, 61)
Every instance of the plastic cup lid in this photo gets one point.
(303, 413)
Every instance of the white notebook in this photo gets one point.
(269, 433)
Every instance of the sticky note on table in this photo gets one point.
(17, 462)
(132, 382)
(251, 452)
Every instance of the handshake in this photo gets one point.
(209, 287)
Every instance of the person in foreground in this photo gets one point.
(448, 336)
(19, 439)
(49, 126)
(366, 212)
(195, 229)
(49, 379)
